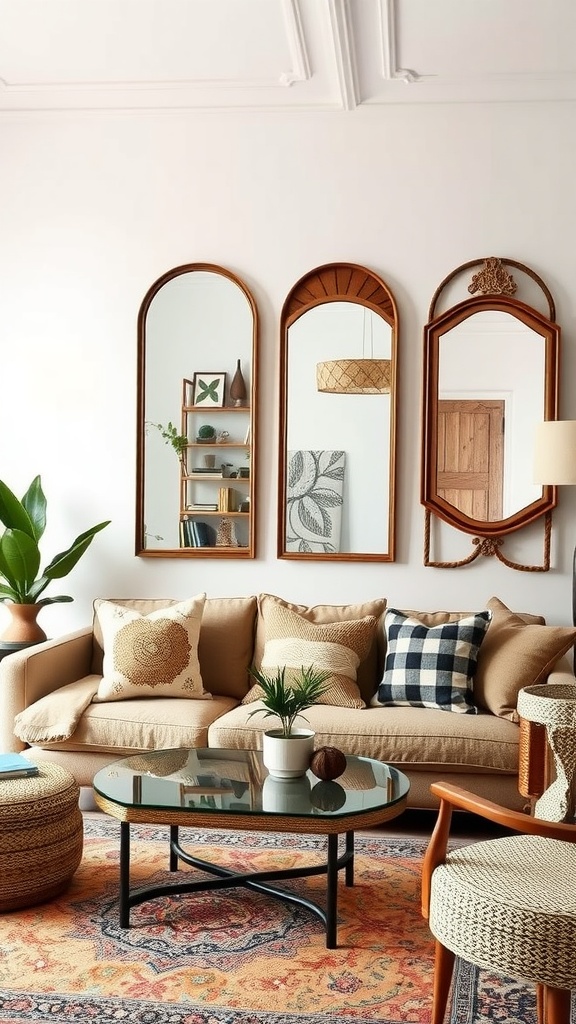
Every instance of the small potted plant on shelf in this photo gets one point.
(24, 523)
(286, 751)
(206, 434)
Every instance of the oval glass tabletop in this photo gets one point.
(236, 782)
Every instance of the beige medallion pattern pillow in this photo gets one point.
(335, 647)
(153, 655)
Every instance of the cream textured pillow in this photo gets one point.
(153, 655)
(336, 647)
(515, 654)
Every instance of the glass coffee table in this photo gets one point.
(231, 789)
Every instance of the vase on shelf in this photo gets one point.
(238, 387)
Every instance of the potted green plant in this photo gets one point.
(206, 434)
(286, 751)
(24, 523)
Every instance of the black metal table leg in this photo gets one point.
(173, 847)
(124, 874)
(331, 891)
(349, 869)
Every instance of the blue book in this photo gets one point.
(14, 766)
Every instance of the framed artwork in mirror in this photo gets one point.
(182, 497)
(490, 377)
(208, 390)
(337, 458)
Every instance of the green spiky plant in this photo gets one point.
(288, 700)
(20, 558)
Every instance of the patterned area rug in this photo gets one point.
(236, 957)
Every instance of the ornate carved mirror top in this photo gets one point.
(490, 376)
(337, 417)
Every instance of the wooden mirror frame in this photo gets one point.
(249, 409)
(497, 286)
(337, 282)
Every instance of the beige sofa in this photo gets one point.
(54, 682)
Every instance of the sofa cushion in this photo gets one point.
(226, 642)
(154, 655)
(369, 668)
(514, 654)
(292, 641)
(422, 739)
(151, 723)
(431, 666)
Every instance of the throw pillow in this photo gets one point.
(513, 655)
(431, 666)
(335, 647)
(153, 655)
(370, 667)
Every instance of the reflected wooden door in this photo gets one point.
(471, 456)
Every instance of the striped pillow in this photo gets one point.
(293, 642)
(431, 666)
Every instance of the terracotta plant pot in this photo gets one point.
(23, 628)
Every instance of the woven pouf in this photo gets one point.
(41, 836)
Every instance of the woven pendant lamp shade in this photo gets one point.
(354, 376)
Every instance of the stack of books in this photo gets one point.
(201, 473)
(202, 506)
(226, 499)
(195, 534)
(14, 766)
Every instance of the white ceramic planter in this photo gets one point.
(287, 757)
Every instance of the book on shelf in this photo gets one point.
(14, 766)
(195, 534)
(226, 499)
(206, 506)
(207, 470)
(210, 475)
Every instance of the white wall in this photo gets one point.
(95, 207)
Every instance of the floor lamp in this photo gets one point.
(555, 463)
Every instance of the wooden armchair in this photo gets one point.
(506, 904)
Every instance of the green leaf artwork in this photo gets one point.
(207, 391)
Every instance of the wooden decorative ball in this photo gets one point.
(328, 763)
(328, 796)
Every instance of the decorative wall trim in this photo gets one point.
(344, 52)
(300, 63)
(390, 70)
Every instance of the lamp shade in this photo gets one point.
(555, 452)
(354, 376)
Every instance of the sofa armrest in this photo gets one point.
(563, 670)
(28, 675)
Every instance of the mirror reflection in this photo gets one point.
(197, 328)
(484, 465)
(337, 459)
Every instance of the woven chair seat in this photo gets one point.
(480, 913)
(41, 836)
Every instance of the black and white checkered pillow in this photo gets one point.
(431, 666)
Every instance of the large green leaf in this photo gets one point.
(19, 561)
(65, 561)
(34, 502)
(12, 512)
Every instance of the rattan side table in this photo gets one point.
(554, 706)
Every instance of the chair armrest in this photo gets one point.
(28, 675)
(454, 797)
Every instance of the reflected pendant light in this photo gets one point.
(365, 376)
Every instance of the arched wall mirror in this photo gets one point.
(197, 376)
(338, 369)
(490, 376)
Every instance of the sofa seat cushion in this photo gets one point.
(147, 723)
(419, 737)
